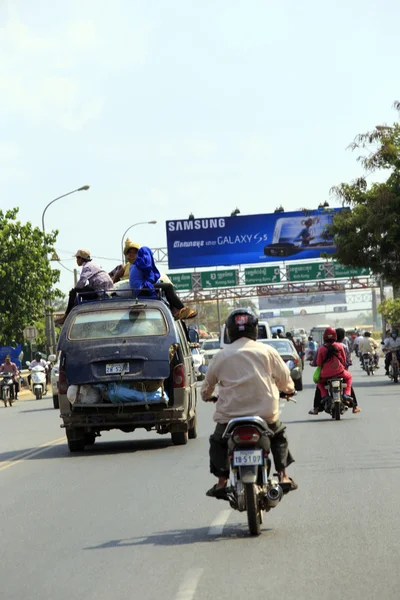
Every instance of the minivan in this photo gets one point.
(125, 364)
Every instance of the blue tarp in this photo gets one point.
(14, 353)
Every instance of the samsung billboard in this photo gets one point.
(249, 239)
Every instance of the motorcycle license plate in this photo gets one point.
(117, 368)
(247, 458)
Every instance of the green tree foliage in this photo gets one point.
(390, 310)
(368, 235)
(26, 277)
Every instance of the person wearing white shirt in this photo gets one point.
(388, 344)
(250, 376)
(368, 345)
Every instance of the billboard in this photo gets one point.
(301, 300)
(249, 239)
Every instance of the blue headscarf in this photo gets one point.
(143, 273)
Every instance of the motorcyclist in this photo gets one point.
(368, 345)
(356, 342)
(10, 367)
(388, 344)
(250, 376)
(311, 349)
(331, 358)
(340, 334)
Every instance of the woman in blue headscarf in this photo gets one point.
(145, 280)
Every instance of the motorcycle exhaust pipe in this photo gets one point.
(273, 496)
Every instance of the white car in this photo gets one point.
(54, 383)
(210, 348)
(199, 363)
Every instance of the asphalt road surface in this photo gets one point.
(128, 518)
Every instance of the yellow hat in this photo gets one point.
(129, 245)
(83, 253)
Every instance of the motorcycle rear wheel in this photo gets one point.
(253, 509)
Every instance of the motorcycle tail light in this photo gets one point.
(246, 435)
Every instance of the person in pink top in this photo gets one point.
(332, 358)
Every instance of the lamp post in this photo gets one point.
(130, 227)
(49, 322)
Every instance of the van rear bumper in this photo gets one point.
(94, 417)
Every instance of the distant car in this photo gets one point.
(289, 354)
(210, 348)
(199, 363)
(54, 383)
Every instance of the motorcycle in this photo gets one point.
(394, 365)
(7, 388)
(368, 363)
(334, 404)
(39, 381)
(251, 488)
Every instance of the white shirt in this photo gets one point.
(391, 343)
(38, 363)
(250, 376)
(358, 340)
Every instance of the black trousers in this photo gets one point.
(388, 359)
(73, 293)
(317, 397)
(219, 460)
(170, 294)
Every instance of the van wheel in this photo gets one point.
(193, 429)
(90, 439)
(298, 384)
(56, 401)
(75, 444)
(179, 438)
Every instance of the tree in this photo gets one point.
(368, 235)
(390, 310)
(26, 277)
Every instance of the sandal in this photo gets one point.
(313, 411)
(356, 409)
(220, 493)
(185, 313)
(288, 486)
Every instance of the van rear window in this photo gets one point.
(118, 324)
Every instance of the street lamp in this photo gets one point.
(130, 227)
(49, 322)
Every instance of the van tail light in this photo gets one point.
(295, 360)
(246, 435)
(62, 381)
(178, 376)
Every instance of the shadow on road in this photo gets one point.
(33, 410)
(177, 537)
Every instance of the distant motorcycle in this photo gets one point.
(394, 365)
(39, 381)
(251, 488)
(7, 388)
(368, 363)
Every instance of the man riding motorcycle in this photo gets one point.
(367, 345)
(388, 344)
(250, 376)
(37, 362)
(10, 367)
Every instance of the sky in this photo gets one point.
(167, 107)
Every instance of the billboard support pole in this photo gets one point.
(218, 312)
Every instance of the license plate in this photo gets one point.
(117, 368)
(247, 457)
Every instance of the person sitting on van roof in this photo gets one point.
(130, 252)
(93, 279)
(145, 279)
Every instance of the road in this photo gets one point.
(129, 518)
